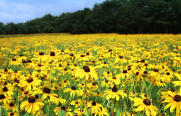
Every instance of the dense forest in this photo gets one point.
(111, 16)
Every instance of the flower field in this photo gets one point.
(90, 75)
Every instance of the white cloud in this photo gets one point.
(23, 10)
(14, 12)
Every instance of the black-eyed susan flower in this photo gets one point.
(12, 114)
(106, 83)
(94, 107)
(4, 98)
(66, 111)
(145, 105)
(32, 105)
(86, 72)
(31, 83)
(7, 90)
(114, 93)
(173, 100)
(76, 103)
(11, 106)
(73, 91)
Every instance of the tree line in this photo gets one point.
(111, 16)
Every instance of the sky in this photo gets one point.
(17, 11)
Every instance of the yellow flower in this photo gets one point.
(114, 93)
(106, 83)
(11, 106)
(4, 98)
(79, 111)
(67, 111)
(32, 105)
(94, 107)
(12, 114)
(73, 91)
(174, 102)
(7, 90)
(31, 83)
(145, 105)
(93, 86)
(86, 72)
(76, 103)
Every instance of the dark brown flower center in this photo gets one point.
(72, 55)
(52, 53)
(94, 103)
(39, 65)
(145, 72)
(76, 102)
(11, 114)
(29, 61)
(147, 102)
(114, 77)
(2, 96)
(73, 88)
(5, 89)
(5, 69)
(5, 83)
(41, 53)
(11, 104)
(156, 70)
(46, 90)
(114, 89)
(142, 61)
(14, 59)
(125, 71)
(137, 73)
(86, 69)
(110, 50)
(36, 96)
(168, 73)
(16, 80)
(29, 80)
(129, 68)
(82, 55)
(120, 57)
(31, 99)
(94, 83)
(177, 98)
(63, 108)
(26, 92)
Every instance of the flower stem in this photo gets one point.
(114, 103)
(18, 103)
(84, 98)
(86, 92)
(0, 111)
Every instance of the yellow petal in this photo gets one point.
(172, 107)
(147, 112)
(139, 108)
(178, 108)
(167, 106)
(23, 105)
(117, 97)
(28, 109)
